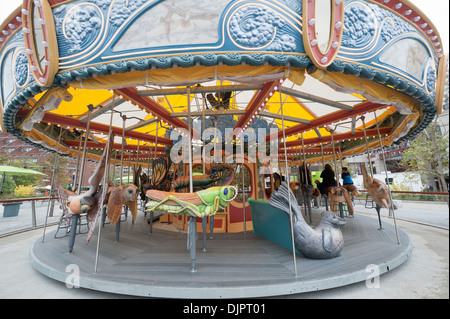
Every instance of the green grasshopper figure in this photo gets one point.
(200, 204)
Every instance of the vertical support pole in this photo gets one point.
(335, 164)
(80, 183)
(105, 186)
(306, 195)
(124, 118)
(75, 181)
(155, 156)
(129, 168)
(33, 214)
(134, 174)
(137, 155)
(391, 209)
(114, 165)
(243, 185)
(83, 160)
(73, 230)
(378, 208)
(204, 219)
(52, 182)
(192, 227)
(211, 218)
(156, 139)
(334, 156)
(323, 164)
(149, 157)
(367, 146)
(288, 180)
(323, 159)
(204, 129)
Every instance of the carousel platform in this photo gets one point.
(238, 265)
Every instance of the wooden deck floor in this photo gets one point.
(234, 266)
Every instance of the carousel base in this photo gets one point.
(239, 265)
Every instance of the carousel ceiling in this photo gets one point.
(79, 67)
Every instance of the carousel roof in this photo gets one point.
(92, 62)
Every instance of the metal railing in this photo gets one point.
(30, 215)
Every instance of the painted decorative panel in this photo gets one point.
(15, 72)
(90, 32)
(380, 39)
(174, 23)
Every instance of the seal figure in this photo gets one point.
(322, 242)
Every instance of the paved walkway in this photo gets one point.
(429, 213)
(24, 219)
(424, 275)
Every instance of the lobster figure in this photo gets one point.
(223, 174)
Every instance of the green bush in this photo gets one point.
(8, 184)
(24, 191)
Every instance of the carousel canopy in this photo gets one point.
(324, 74)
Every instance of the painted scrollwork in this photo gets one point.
(375, 35)
(294, 5)
(255, 27)
(21, 70)
(81, 26)
(431, 80)
(360, 24)
(393, 25)
(122, 10)
(104, 4)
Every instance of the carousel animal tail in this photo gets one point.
(280, 200)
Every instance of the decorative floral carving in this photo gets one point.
(431, 81)
(393, 26)
(294, 5)
(359, 26)
(82, 26)
(21, 69)
(256, 27)
(363, 22)
(104, 4)
(122, 10)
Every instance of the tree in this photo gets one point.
(62, 176)
(429, 154)
(24, 180)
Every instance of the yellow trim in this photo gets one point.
(36, 135)
(179, 75)
(440, 84)
(363, 85)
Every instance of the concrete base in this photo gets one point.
(234, 266)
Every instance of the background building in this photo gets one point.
(16, 152)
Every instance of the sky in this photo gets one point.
(436, 10)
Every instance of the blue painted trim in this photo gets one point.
(418, 94)
(185, 61)
(230, 59)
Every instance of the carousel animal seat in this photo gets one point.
(270, 223)
(339, 197)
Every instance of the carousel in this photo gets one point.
(215, 111)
